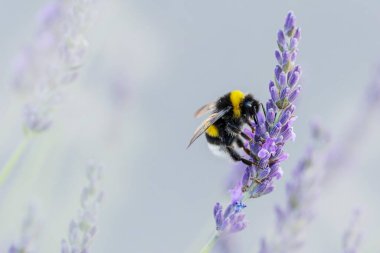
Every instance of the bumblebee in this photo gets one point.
(223, 127)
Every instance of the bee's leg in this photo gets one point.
(237, 158)
(240, 144)
(262, 107)
(238, 131)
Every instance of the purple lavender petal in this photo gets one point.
(289, 134)
(293, 96)
(281, 39)
(277, 72)
(285, 117)
(278, 57)
(270, 116)
(217, 208)
(284, 93)
(289, 23)
(282, 79)
(273, 91)
(293, 43)
(297, 34)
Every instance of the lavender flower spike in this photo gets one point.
(83, 229)
(29, 233)
(272, 131)
(53, 59)
(48, 64)
(352, 237)
(271, 134)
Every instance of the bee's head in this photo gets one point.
(250, 106)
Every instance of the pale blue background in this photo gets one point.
(173, 56)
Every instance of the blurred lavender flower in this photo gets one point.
(44, 68)
(231, 220)
(352, 237)
(273, 131)
(367, 108)
(53, 59)
(29, 232)
(301, 190)
(83, 229)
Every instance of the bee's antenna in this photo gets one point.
(262, 106)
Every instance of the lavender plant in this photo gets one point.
(29, 232)
(301, 191)
(83, 229)
(271, 133)
(352, 236)
(48, 64)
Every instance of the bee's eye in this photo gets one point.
(248, 104)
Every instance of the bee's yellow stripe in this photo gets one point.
(236, 97)
(212, 131)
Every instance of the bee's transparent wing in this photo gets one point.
(205, 109)
(207, 123)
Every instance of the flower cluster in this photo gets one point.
(83, 229)
(52, 60)
(274, 125)
(231, 220)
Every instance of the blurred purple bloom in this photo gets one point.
(271, 132)
(83, 229)
(29, 233)
(230, 220)
(352, 237)
(53, 59)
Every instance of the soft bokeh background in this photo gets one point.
(150, 65)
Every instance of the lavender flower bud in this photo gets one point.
(281, 40)
(293, 80)
(285, 117)
(273, 91)
(285, 58)
(294, 94)
(217, 208)
(282, 79)
(293, 55)
(263, 173)
(289, 24)
(219, 220)
(277, 72)
(278, 57)
(276, 129)
(276, 171)
(284, 93)
(297, 34)
(270, 116)
(293, 43)
(289, 134)
(246, 176)
(258, 189)
(271, 105)
(268, 190)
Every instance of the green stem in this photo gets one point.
(210, 245)
(10, 164)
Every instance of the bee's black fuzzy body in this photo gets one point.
(232, 111)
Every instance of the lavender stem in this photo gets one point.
(13, 159)
(210, 244)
